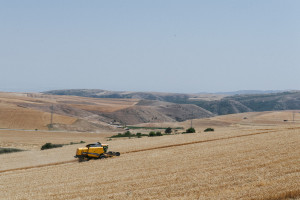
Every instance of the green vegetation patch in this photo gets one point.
(81, 142)
(209, 129)
(151, 128)
(51, 146)
(138, 135)
(168, 130)
(153, 134)
(190, 130)
(128, 134)
(9, 150)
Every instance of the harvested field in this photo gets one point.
(32, 140)
(230, 163)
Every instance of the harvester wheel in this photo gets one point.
(102, 156)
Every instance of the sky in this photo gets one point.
(179, 46)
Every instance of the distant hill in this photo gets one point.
(252, 102)
(270, 102)
(122, 94)
(250, 92)
(218, 104)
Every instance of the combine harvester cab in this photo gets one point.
(94, 151)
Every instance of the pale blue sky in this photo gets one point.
(156, 45)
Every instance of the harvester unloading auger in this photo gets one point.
(94, 151)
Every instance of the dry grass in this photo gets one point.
(291, 194)
(14, 117)
(86, 103)
(32, 111)
(222, 165)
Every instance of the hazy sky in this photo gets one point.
(154, 45)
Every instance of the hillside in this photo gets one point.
(254, 102)
(73, 113)
(218, 104)
(169, 97)
(155, 111)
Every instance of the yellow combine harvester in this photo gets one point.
(94, 151)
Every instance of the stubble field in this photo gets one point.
(234, 162)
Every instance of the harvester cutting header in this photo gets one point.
(94, 151)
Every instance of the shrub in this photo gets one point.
(139, 135)
(51, 146)
(127, 134)
(209, 129)
(168, 130)
(76, 142)
(9, 150)
(152, 134)
(158, 133)
(190, 130)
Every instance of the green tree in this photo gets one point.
(168, 130)
(191, 130)
(209, 129)
(158, 133)
(127, 134)
(139, 135)
(152, 134)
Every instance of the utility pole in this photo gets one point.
(293, 116)
(51, 119)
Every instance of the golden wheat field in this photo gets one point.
(238, 161)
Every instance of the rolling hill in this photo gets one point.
(73, 113)
(218, 104)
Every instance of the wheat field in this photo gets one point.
(231, 163)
